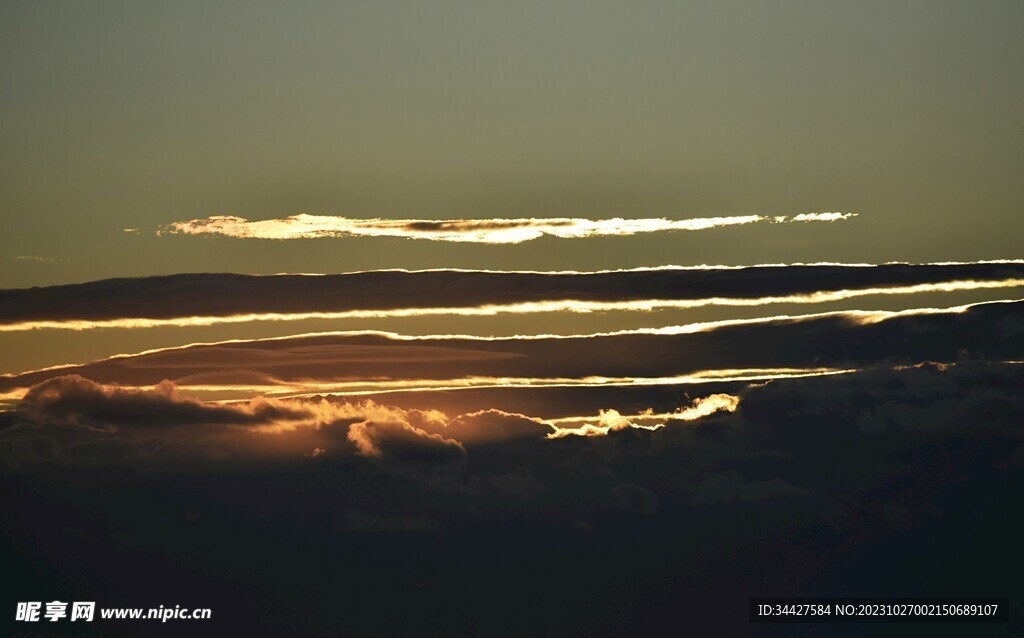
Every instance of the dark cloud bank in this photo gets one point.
(221, 295)
(843, 340)
(384, 516)
(315, 517)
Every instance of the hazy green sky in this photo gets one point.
(136, 114)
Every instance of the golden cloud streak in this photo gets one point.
(485, 231)
(611, 421)
(565, 305)
(862, 317)
(355, 388)
(360, 387)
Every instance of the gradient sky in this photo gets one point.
(138, 114)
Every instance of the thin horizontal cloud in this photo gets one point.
(837, 340)
(371, 387)
(273, 388)
(205, 299)
(483, 231)
(73, 400)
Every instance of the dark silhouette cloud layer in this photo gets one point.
(187, 299)
(841, 340)
(75, 400)
(804, 481)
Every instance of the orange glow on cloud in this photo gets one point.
(567, 305)
(361, 387)
(486, 231)
(611, 420)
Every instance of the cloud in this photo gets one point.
(818, 217)
(74, 400)
(361, 522)
(520, 484)
(487, 231)
(903, 399)
(829, 408)
(611, 421)
(729, 486)
(633, 498)
(809, 344)
(495, 426)
(204, 299)
(708, 405)
(854, 456)
(816, 479)
(71, 413)
(109, 423)
(607, 421)
(397, 440)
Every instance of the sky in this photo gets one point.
(410, 314)
(118, 115)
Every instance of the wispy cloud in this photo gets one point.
(484, 231)
(290, 389)
(35, 258)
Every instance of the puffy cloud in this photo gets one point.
(396, 440)
(495, 426)
(636, 499)
(926, 397)
(80, 420)
(25, 448)
(71, 419)
(487, 231)
(730, 486)
(72, 399)
(362, 522)
(842, 479)
(519, 483)
(719, 448)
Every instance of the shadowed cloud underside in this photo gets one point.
(840, 340)
(204, 299)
